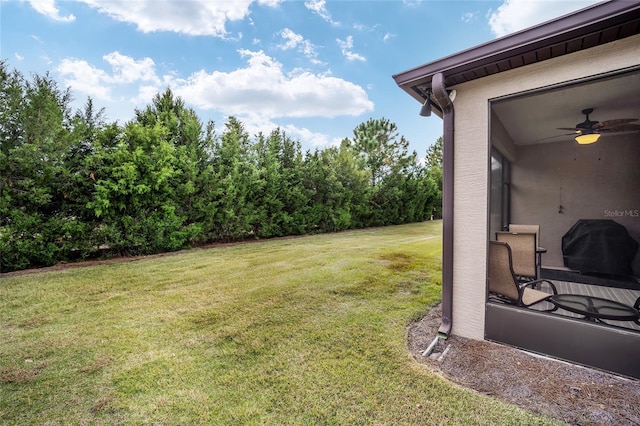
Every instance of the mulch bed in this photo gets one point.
(573, 394)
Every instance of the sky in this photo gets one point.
(315, 69)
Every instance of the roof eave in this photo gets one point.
(592, 19)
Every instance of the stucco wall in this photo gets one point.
(472, 162)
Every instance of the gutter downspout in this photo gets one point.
(446, 104)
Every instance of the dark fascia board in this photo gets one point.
(563, 29)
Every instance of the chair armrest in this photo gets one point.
(533, 283)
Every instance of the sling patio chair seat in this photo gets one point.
(523, 253)
(504, 285)
(535, 229)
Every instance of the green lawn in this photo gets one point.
(308, 330)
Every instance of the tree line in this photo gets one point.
(74, 186)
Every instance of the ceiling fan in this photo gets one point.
(589, 131)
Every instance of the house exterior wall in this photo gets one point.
(471, 170)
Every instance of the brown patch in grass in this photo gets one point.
(398, 261)
(33, 322)
(18, 375)
(96, 365)
(103, 403)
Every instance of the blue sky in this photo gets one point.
(314, 68)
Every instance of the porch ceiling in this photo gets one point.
(536, 118)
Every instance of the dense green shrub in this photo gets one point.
(74, 187)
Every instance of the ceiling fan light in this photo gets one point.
(587, 138)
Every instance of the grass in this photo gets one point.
(308, 330)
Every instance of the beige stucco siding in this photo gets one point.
(472, 161)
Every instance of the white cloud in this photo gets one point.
(262, 89)
(366, 28)
(128, 70)
(194, 17)
(258, 93)
(319, 7)
(293, 40)
(346, 46)
(516, 15)
(270, 3)
(302, 133)
(145, 95)
(48, 8)
(85, 78)
(90, 80)
(18, 56)
(388, 36)
(257, 124)
(468, 17)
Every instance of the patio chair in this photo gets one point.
(523, 249)
(503, 284)
(516, 227)
(535, 229)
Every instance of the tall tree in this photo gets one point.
(378, 142)
(136, 193)
(434, 177)
(78, 182)
(237, 179)
(338, 185)
(386, 156)
(288, 187)
(268, 214)
(193, 149)
(35, 140)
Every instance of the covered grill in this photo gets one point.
(599, 246)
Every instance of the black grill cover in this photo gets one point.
(599, 246)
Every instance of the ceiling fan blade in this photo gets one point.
(621, 128)
(556, 136)
(614, 123)
(607, 126)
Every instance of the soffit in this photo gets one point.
(590, 27)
